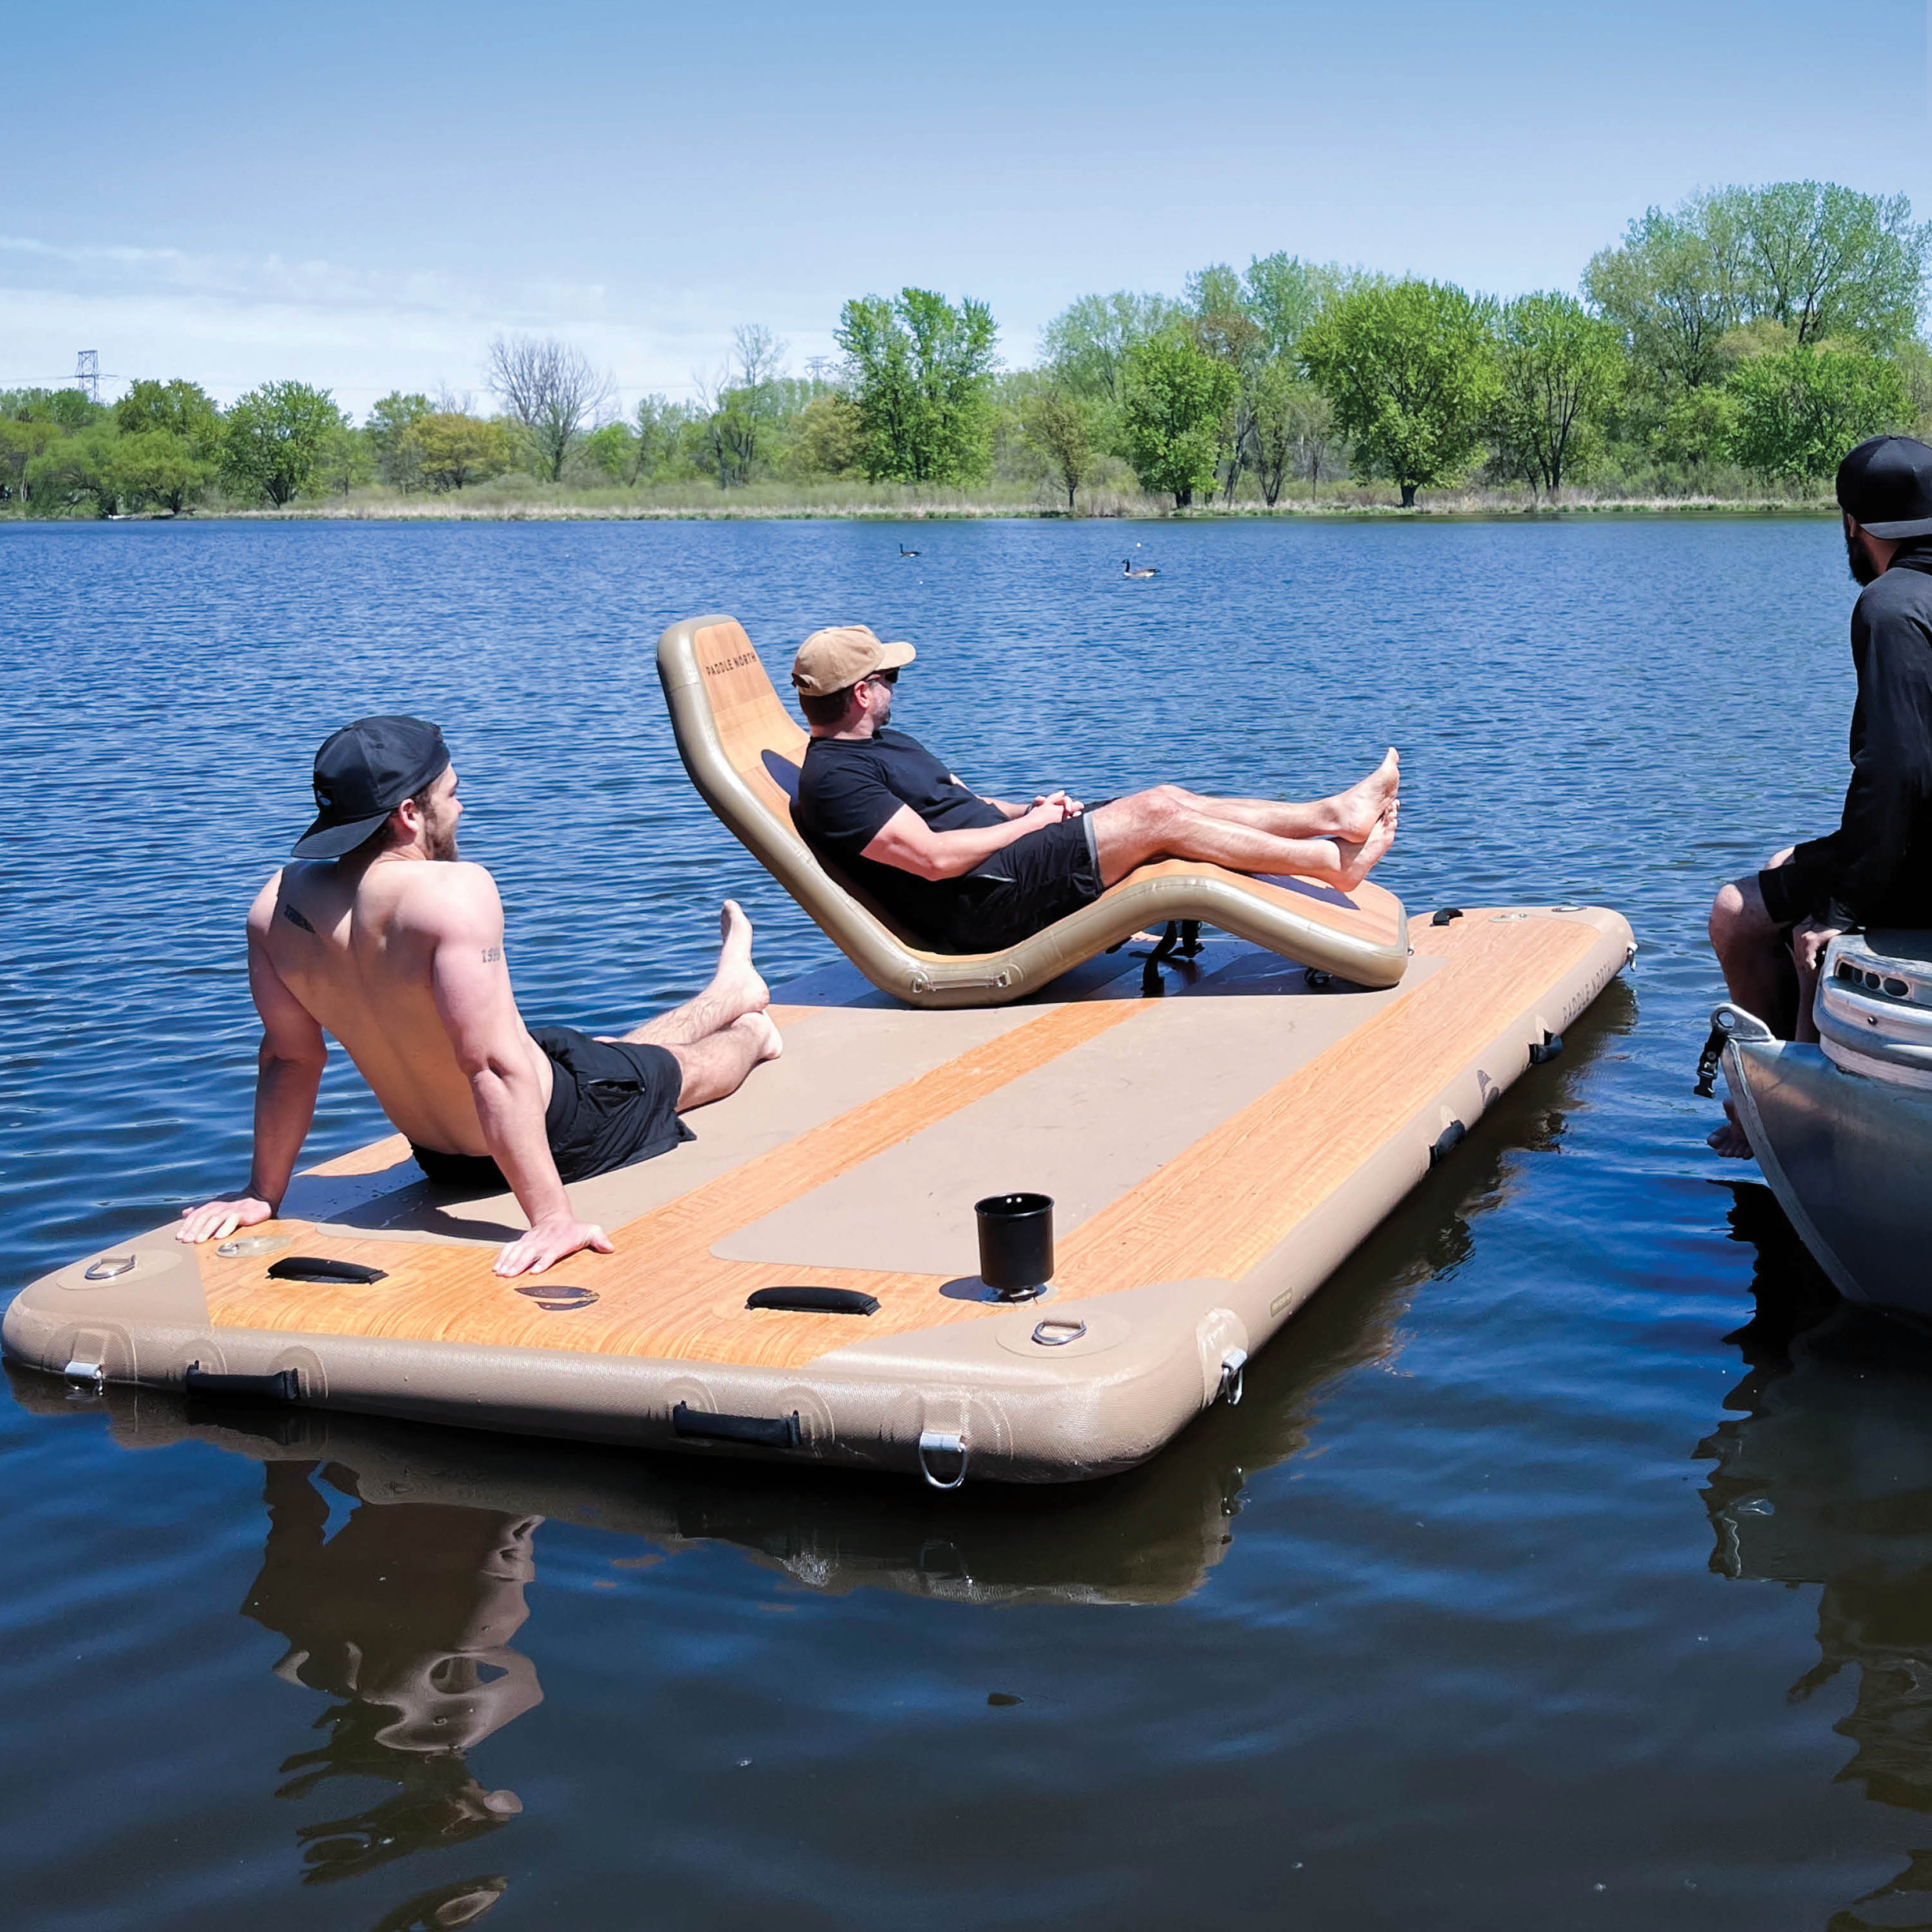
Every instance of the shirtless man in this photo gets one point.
(384, 938)
(966, 874)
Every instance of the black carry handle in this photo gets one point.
(1541, 1055)
(1444, 914)
(1706, 1088)
(765, 1431)
(284, 1385)
(1446, 1143)
(814, 1300)
(318, 1268)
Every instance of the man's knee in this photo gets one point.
(1737, 916)
(1162, 804)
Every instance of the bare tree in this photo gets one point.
(740, 402)
(555, 391)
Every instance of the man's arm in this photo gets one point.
(478, 1011)
(288, 1072)
(905, 841)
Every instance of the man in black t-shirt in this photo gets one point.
(964, 873)
(1770, 929)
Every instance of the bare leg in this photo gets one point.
(1349, 816)
(1168, 822)
(1754, 955)
(717, 1064)
(1756, 958)
(736, 989)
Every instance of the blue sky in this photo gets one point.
(361, 195)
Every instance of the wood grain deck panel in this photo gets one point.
(1216, 1210)
(664, 1294)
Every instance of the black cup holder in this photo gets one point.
(1015, 1244)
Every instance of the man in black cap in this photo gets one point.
(384, 938)
(1770, 929)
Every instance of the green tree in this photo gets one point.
(79, 468)
(612, 451)
(662, 426)
(179, 408)
(1289, 431)
(1798, 412)
(1674, 288)
(1085, 346)
(1176, 401)
(1828, 261)
(274, 438)
(158, 466)
(389, 422)
(922, 370)
(343, 460)
(1561, 367)
(21, 441)
(450, 449)
(1410, 371)
(829, 440)
(1284, 294)
(1698, 428)
(1060, 426)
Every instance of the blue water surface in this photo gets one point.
(1568, 1563)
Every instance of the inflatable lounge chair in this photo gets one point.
(742, 749)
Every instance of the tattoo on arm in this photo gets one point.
(491, 953)
(295, 917)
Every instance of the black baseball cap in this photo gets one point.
(1886, 486)
(362, 774)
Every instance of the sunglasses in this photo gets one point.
(884, 677)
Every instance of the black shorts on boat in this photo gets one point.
(611, 1103)
(1034, 881)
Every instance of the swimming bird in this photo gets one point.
(1127, 568)
(905, 552)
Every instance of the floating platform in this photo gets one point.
(1213, 1153)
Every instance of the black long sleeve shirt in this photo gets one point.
(1876, 868)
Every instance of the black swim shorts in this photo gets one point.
(1026, 886)
(611, 1103)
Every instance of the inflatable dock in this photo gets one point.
(800, 1282)
(1186, 1138)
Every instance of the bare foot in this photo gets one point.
(1360, 859)
(1729, 1140)
(762, 1028)
(1357, 809)
(736, 984)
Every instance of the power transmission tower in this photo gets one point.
(87, 373)
(818, 368)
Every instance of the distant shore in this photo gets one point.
(1354, 505)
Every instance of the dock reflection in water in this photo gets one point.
(1824, 1477)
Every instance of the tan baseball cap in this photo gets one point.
(830, 659)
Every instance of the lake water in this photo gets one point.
(1568, 1563)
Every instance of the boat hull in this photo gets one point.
(1848, 1159)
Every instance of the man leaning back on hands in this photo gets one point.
(381, 936)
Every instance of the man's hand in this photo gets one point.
(216, 1220)
(1069, 808)
(552, 1240)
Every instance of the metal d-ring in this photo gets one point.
(1233, 1366)
(558, 1298)
(946, 1444)
(108, 1267)
(1065, 1331)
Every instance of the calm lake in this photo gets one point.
(1569, 1563)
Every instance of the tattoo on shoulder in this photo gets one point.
(295, 917)
(492, 952)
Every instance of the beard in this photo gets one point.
(442, 841)
(1858, 559)
(882, 712)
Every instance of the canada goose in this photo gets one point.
(905, 552)
(1127, 568)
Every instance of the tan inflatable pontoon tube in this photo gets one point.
(742, 749)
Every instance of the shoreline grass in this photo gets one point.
(524, 501)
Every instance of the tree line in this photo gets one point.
(1750, 332)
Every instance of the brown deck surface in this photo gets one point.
(1212, 1208)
